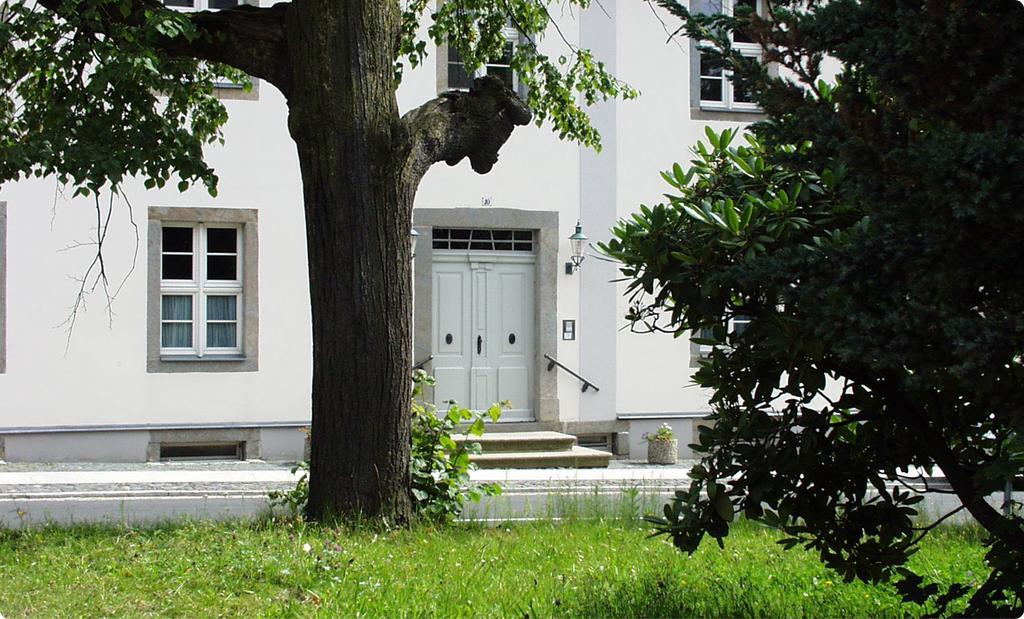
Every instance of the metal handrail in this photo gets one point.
(419, 366)
(552, 362)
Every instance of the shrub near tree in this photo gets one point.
(870, 236)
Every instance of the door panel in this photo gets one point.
(514, 386)
(451, 333)
(512, 337)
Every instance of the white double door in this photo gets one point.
(483, 314)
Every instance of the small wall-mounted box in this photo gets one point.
(568, 330)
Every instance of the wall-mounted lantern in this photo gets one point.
(578, 242)
(413, 237)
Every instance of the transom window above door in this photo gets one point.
(483, 240)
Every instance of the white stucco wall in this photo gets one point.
(102, 378)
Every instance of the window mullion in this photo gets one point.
(201, 291)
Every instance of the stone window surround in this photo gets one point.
(249, 221)
(546, 242)
(3, 288)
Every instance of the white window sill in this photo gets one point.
(205, 359)
(712, 107)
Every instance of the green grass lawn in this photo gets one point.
(580, 568)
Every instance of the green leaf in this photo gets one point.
(723, 507)
(712, 136)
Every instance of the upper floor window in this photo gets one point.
(735, 327)
(226, 89)
(716, 91)
(201, 5)
(458, 78)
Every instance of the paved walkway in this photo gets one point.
(33, 494)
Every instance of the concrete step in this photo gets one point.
(575, 457)
(506, 442)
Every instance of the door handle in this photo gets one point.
(479, 344)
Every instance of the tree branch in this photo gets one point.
(459, 125)
(248, 38)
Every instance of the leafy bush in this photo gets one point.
(439, 464)
(294, 500)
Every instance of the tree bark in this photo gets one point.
(343, 116)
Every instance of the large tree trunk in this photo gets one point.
(361, 163)
(344, 119)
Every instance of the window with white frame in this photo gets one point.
(190, 6)
(201, 287)
(715, 86)
(202, 5)
(458, 78)
(735, 327)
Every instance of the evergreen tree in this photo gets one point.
(869, 235)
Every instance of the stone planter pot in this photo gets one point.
(662, 452)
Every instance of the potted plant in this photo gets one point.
(662, 446)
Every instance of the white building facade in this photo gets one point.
(207, 347)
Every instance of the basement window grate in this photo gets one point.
(602, 442)
(202, 451)
(483, 240)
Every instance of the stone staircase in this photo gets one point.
(533, 450)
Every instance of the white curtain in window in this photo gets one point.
(221, 334)
(176, 334)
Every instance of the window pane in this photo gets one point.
(177, 240)
(176, 307)
(221, 335)
(457, 76)
(502, 73)
(223, 4)
(177, 267)
(711, 89)
(711, 67)
(176, 335)
(740, 94)
(222, 240)
(706, 7)
(221, 308)
(506, 55)
(222, 268)
(179, 3)
(743, 9)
